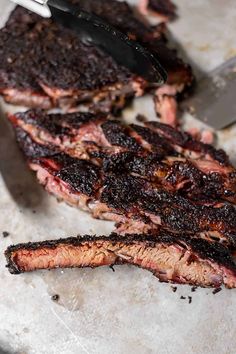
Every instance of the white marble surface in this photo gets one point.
(100, 311)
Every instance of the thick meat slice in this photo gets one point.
(121, 196)
(171, 259)
(46, 65)
(156, 152)
(43, 65)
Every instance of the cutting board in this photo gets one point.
(100, 311)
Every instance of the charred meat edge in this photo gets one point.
(179, 260)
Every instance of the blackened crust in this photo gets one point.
(130, 162)
(82, 176)
(185, 140)
(122, 192)
(117, 134)
(34, 50)
(159, 144)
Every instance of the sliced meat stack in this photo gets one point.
(44, 65)
(153, 181)
(168, 193)
(157, 153)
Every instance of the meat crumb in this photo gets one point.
(112, 268)
(182, 297)
(55, 297)
(207, 137)
(174, 288)
(141, 118)
(189, 299)
(5, 233)
(194, 288)
(215, 291)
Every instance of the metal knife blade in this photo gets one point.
(214, 101)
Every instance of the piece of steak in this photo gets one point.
(157, 152)
(171, 259)
(120, 196)
(44, 65)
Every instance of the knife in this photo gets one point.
(94, 30)
(214, 101)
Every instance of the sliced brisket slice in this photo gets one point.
(121, 196)
(171, 259)
(43, 65)
(157, 152)
(46, 65)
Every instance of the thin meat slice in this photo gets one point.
(179, 260)
(121, 196)
(156, 152)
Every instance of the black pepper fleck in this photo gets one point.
(174, 288)
(112, 268)
(182, 297)
(55, 297)
(5, 233)
(215, 291)
(141, 118)
(189, 299)
(194, 288)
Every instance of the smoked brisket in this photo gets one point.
(120, 194)
(179, 260)
(157, 152)
(45, 65)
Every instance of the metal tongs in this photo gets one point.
(95, 30)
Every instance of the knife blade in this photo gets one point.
(94, 30)
(214, 101)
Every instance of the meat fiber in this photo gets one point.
(44, 65)
(179, 260)
(157, 153)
